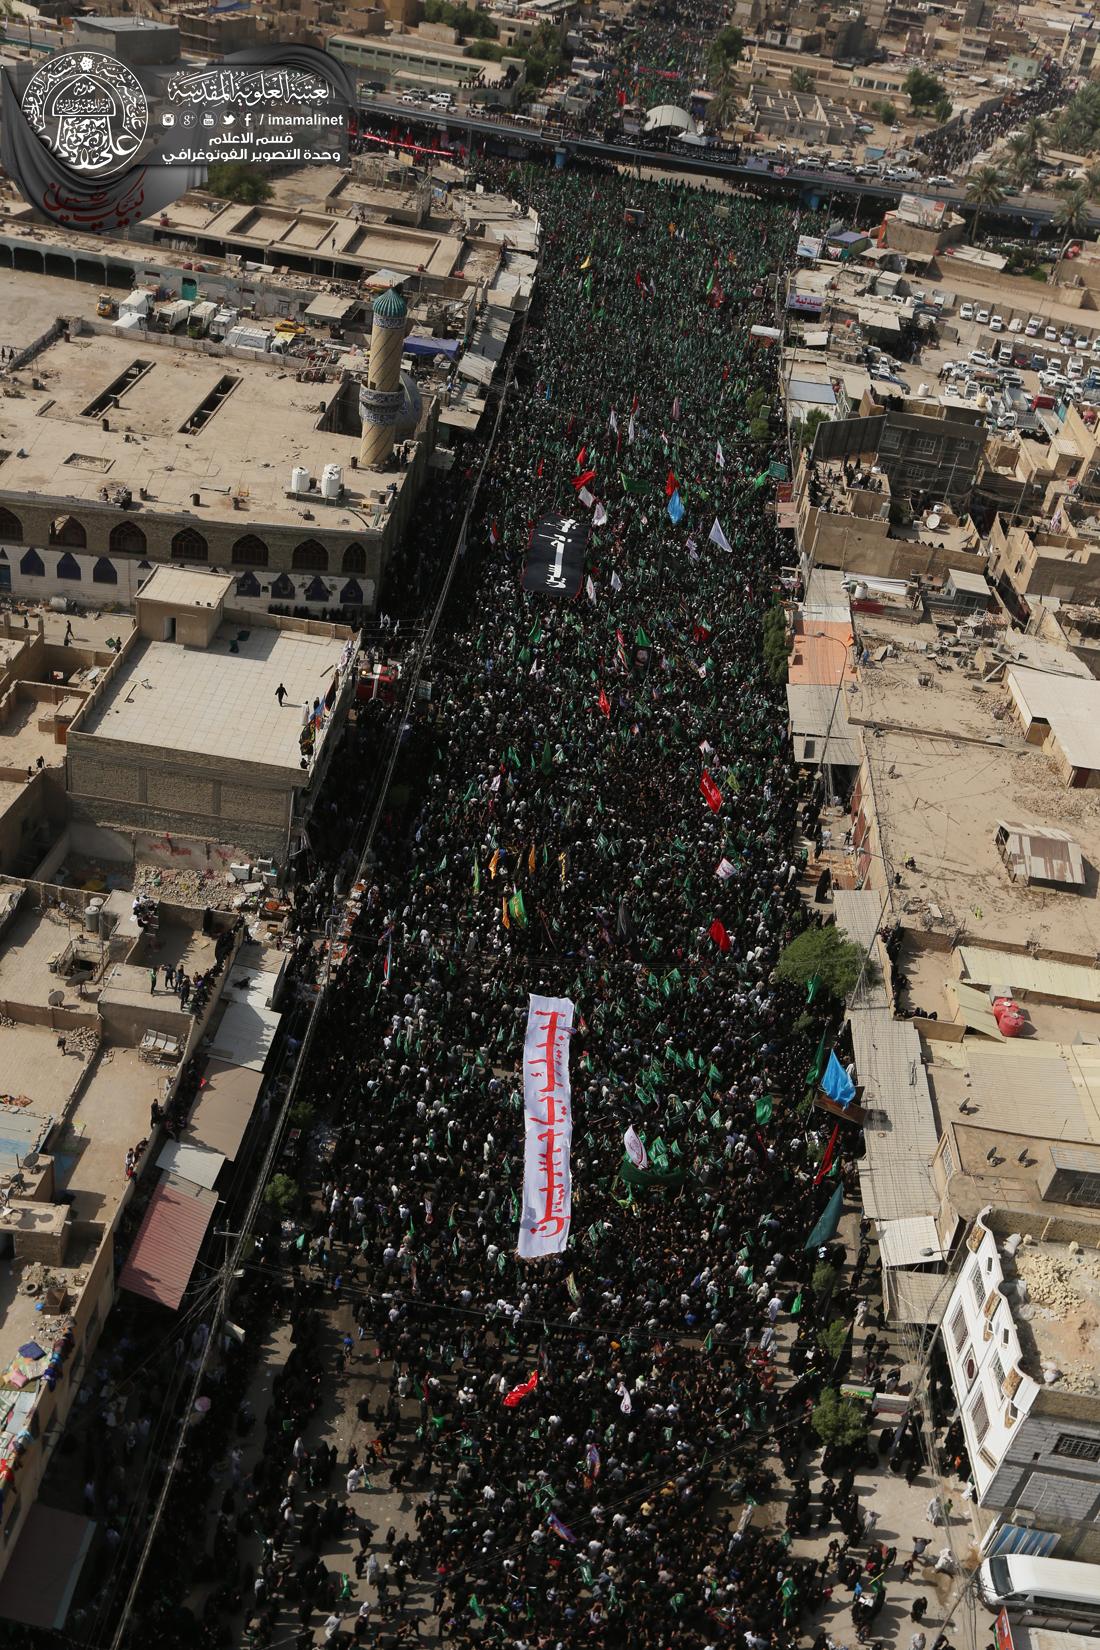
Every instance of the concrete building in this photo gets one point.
(187, 734)
(927, 449)
(1019, 1333)
(401, 60)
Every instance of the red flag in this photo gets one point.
(539, 472)
(605, 704)
(637, 277)
(581, 456)
(700, 632)
(620, 98)
(583, 480)
(711, 792)
(524, 1390)
(719, 936)
(671, 484)
(494, 533)
(827, 1160)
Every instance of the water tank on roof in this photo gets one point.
(332, 479)
(299, 479)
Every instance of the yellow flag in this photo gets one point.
(493, 863)
(531, 860)
(561, 862)
(587, 261)
(504, 913)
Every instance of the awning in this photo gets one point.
(193, 1163)
(222, 1112)
(914, 1297)
(38, 1585)
(415, 345)
(164, 1253)
(329, 306)
(245, 1035)
(972, 1009)
(911, 1241)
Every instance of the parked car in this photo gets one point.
(1033, 326)
(996, 323)
(1050, 334)
(1015, 324)
(966, 312)
(982, 317)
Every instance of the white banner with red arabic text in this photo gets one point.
(548, 1128)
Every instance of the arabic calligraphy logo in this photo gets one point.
(90, 109)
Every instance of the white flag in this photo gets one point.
(716, 536)
(599, 516)
(635, 1149)
(626, 1406)
(616, 583)
(719, 456)
(613, 423)
(707, 748)
(590, 588)
(724, 869)
(630, 431)
(586, 498)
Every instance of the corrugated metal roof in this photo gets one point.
(900, 1131)
(193, 1163)
(1069, 704)
(39, 1582)
(1073, 982)
(859, 912)
(244, 1035)
(972, 1009)
(820, 653)
(910, 1242)
(914, 1297)
(224, 1106)
(163, 1255)
(1030, 1094)
(1041, 853)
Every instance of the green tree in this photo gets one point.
(1034, 134)
(834, 1337)
(941, 110)
(806, 429)
(726, 102)
(802, 80)
(1072, 212)
(886, 112)
(984, 190)
(922, 89)
(282, 1194)
(237, 181)
(837, 962)
(726, 48)
(776, 651)
(838, 1421)
(1077, 126)
(823, 1282)
(1023, 164)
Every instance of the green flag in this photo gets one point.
(641, 639)
(813, 986)
(813, 1076)
(477, 877)
(476, 1607)
(764, 1109)
(547, 757)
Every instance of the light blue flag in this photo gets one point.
(676, 509)
(837, 1084)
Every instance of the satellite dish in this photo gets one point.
(933, 521)
(55, 999)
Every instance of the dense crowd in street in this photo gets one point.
(548, 833)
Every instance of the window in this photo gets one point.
(958, 1328)
(104, 572)
(355, 558)
(282, 590)
(317, 591)
(977, 1286)
(68, 531)
(68, 567)
(11, 528)
(127, 539)
(248, 585)
(947, 1160)
(888, 441)
(998, 1371)
(31, 565)
(310, 557)
(979, 1418)
(250, 552)
(1084, 1189)
(1076, 1448)
(352, 594)
(189, 546)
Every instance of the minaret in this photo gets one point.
(380, 398)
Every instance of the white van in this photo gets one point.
(1047, 1588)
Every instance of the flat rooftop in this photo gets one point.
(210, 702)
(265, 425)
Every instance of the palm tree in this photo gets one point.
(984, 189)
(726, 101)
(1034, 133)
(802, 80)
(1072, 212)
(1023, 165)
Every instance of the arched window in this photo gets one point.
(32, 565)
(310, 557)
(127, 539)
(11, 528)
(318, 591)
(355, 559)
(248, 585)
(282, 589)
(68, 567)
(189, 546)
(104, 572)
(250, 552)
(68, 531)
(352, 594)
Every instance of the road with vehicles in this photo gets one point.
(430, 124)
